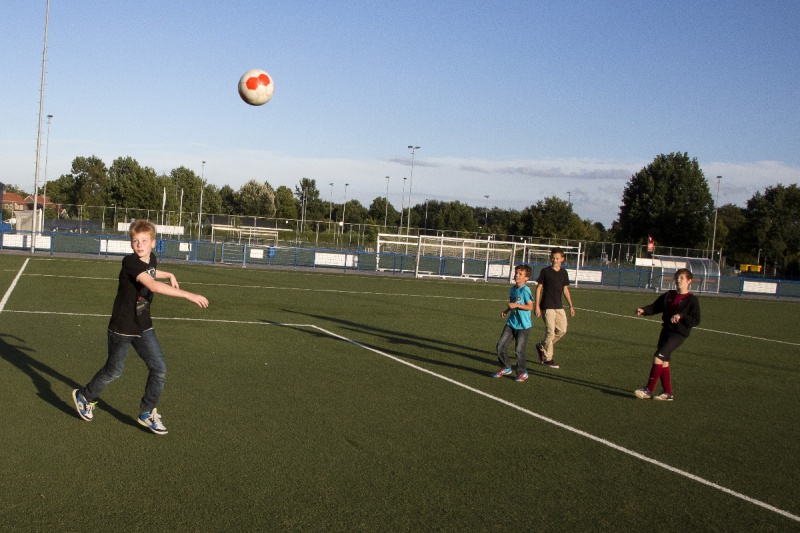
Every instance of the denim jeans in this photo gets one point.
(149, 350)
(520, 337)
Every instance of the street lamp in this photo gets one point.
(202, 186)
(410, 184)
(46, 157)
(344, 208)
(716, 210)
(330, 206)
(486, 213)
(386, 214)
(569, 198)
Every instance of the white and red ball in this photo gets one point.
(256, 87)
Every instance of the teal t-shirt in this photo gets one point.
(518, 318)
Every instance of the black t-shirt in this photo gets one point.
(553, 282)
(131, 314)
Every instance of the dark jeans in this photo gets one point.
(520, 337)
(149, 350)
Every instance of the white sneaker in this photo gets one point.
(83, 406)
(152, 421)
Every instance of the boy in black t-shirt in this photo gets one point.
(553, 281)
(131, 324)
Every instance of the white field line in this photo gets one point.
(486, 395)
(427, 296)
(12, 286)
(697, 328)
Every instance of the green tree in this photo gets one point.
(669, 200)
(773, 219)
(133, 186)
(551, 218)
(456, 216)
(380, 211)
(310, 205)
(286, 206)
(255, 199)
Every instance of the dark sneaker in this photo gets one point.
(664, 397)
(502, 372)
(152, 421)
(540, 353)
(550, 363)
(522, 377)
(643, 394)
(83, 406)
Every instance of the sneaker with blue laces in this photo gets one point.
(83, 406)
(521, 377)
(502, 372)
(152, 421)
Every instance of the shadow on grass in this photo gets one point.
(392, 336)
(41, 376)
(395, 338)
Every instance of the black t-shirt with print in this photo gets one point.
(131, 314)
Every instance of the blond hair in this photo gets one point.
(143, 226)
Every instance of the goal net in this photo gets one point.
(446, 257)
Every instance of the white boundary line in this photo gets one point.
(697, 328)
(428, 296)
(488, 396)
(12, 286)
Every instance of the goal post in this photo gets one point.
(535, 253)
(448, 257)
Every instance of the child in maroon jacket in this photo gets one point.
(680, 312)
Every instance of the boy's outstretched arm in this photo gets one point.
(170, 290)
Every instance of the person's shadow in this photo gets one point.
(13, 350)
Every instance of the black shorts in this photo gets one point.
(668, 341)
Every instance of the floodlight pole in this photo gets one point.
(202, 186)
(344, 208)
(386, 213)
(486, 213)
(46, 158)
(39, 131)
(330, 206)
(410, 184)
(716, 211)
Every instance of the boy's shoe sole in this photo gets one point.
(81, 407)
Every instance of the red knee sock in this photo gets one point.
(666, 380)
(655, 373)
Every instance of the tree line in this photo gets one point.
(669, 201)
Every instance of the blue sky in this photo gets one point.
(515, 100)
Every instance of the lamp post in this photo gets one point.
(569, 198)
(39, 130)
(386, 213)
(330, 206)
(344, 208)
(410, 184)
(46, 157)
(202, 186)
(716, 210)
(486, 213)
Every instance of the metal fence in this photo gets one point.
(195, 251)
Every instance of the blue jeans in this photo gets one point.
(520, 337)
(149, 350)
